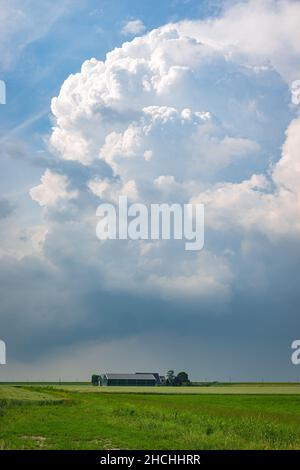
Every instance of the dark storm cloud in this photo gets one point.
(69, 306)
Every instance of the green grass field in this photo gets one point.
(238, 389)
(250, 416)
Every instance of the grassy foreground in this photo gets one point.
(82, 417)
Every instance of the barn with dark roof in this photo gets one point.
(133, 380)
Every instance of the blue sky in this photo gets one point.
(74, 136)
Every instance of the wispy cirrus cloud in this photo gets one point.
(23, 22)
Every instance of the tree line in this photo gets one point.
(178, 380)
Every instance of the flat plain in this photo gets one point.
(79, 416)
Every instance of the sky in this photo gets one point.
(166, 101)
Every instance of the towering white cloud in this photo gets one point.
(164, 69)
(192, 111)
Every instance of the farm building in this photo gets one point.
(134, 380)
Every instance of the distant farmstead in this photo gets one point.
(133, 380)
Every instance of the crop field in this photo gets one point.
(241, 416)
(238, 389)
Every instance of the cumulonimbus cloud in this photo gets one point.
(189, 112)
